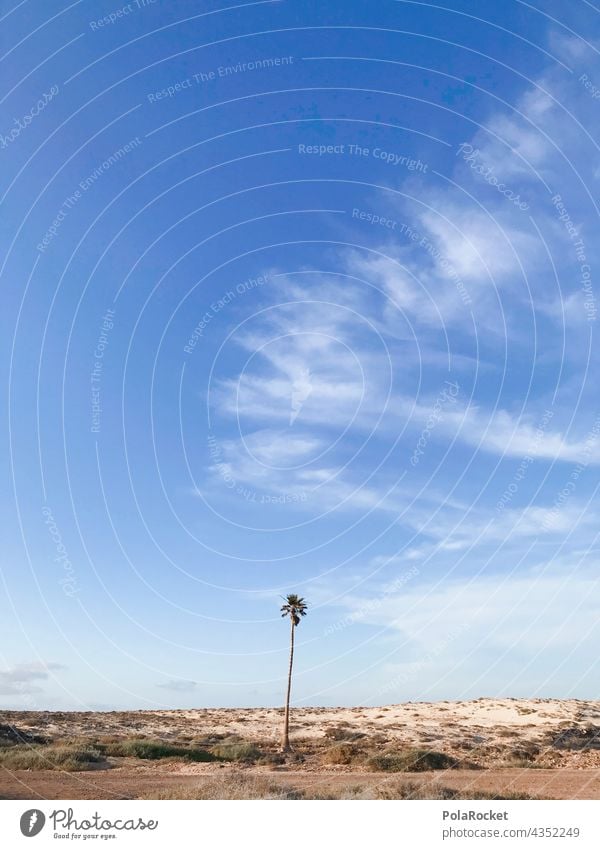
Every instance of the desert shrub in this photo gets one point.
(500, 795)
(466, 745)
(68, 758)
(225, 787)
(525, 752)
(273, 758)
(342, 753)
(236, 750)
(521, 763)
(209, 739)
(410, 790)
(422, 790)
(578, 738)
(153, 750)
(411, 760)
(320, 793)
(342, 732)
(30, 721)
(105, 740)
(10, 735)
(248, 787)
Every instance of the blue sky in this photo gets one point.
(299, 300)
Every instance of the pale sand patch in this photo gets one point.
(481, 713)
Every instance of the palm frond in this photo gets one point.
(295, 607)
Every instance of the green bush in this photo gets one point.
(342, 753)
(236, 750)
(153, 750)
(411, 760)
(67, 758)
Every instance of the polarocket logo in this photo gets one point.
(32, 822)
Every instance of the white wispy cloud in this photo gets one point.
(311, 363)
(291, 453)
(457, 530)
(465, 637)
(527, 611)
(21, 679)
(179, 685)
(502, 433)
(546, 134)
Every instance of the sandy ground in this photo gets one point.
(129, 783)
(544, 747)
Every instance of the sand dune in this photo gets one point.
(467, 744)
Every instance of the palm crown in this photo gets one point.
(294, 607)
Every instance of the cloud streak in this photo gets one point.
(21, 679)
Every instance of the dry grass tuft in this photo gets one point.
(67, 758)
(422, 790)
(236, 750)
(343, 732)
(342, 753)
(153, 750)
(411, 760)
(225, 787)
(248, 787)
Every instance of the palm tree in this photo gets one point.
(295, 608)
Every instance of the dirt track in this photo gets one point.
(128, 784)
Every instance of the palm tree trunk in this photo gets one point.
(285, 742)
